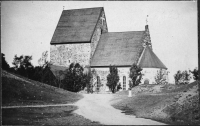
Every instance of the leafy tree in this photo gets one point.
(195, 73)
(5, 65)
(135, 75)
(112, 78)
(182, 77)
(74, 78)
(23, 65)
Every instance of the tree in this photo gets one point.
(23, 66)
(135, 75)
(195, 73)
(112, 78)
(74, 78)
(5, 65)
(182, 77)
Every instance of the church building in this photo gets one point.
(82, 36)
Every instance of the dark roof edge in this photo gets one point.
(96, 24)
(56, 27)
(83, 8)
(155, 67)
(111, 65)
(123, 32)
(70, 42)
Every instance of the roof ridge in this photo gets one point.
(83, 8)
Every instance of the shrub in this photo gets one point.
(75, 80)
(160, 77)
(195, 73)
(182, 77)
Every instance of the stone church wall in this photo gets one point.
(65, 54)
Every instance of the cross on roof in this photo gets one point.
(147, 20)
(102, 18)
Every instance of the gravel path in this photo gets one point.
(96, 107)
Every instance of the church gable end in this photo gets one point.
(72, 37)
(100, 28)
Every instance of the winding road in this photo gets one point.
(96, 107)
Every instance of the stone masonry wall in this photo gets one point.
(65, 54)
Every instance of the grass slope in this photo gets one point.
(23, 91)
(18, 90)
(170, 104)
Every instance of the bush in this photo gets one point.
(160, 77)
(182, 77)
(195, 73)
(75, 80)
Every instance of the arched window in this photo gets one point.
(98, 82)
(124, 82)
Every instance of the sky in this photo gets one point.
(27, 27)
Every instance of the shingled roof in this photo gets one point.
(150, 60)
(118, 48)
(76, 25)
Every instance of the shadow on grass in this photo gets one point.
(34, 116)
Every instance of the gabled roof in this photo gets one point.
(76, 25)
(150, 60)
(118, 48)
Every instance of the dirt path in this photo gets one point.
(96, 107)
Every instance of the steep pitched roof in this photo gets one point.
(150, 60)
(118, 48)
(76, 25)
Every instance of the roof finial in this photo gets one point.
(147, 20)
(63, 7)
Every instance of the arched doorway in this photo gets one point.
(146, 81)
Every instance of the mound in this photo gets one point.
(173, 104)
(22, 91)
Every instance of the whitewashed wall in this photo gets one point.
(149, 74)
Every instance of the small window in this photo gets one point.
(124, 82)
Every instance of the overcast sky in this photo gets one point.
(27, 27)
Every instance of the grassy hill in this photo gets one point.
(22, 91)
(171, 104)
(17, 90)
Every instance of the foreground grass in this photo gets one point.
(21, 91)
(44, 116)
(176, 105)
